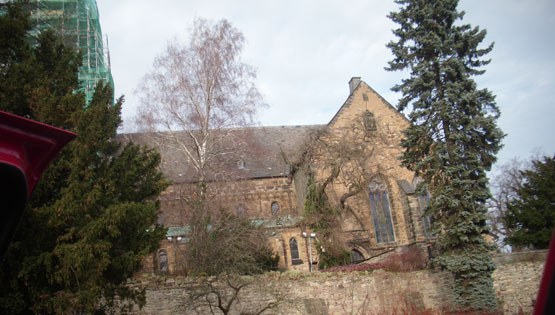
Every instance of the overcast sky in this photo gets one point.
(306, 51)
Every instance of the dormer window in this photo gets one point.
(240, 164)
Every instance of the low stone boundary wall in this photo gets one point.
(517, 285)
(378, 292)
(319, 293)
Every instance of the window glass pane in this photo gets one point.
(381, 214)
(294, 249)
(240, 210)
(375, 217)
(387, 214)
(275, 207)
(163, 261)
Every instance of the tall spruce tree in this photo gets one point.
(92, 216)
(453, 137)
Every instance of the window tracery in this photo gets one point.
(381, 214)
(294, 249)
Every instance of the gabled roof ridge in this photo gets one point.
(386, 102)
(371, 89)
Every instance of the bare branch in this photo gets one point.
(201, 88)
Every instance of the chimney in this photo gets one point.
(355, 81)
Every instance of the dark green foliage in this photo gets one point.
(453, 137)
(531, 215)
(322, 218)
(221, 243)
(92, 216)
(332, 257)
(266, 259)
(318, 212)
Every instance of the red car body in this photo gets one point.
(26, 149)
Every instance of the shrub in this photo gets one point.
(351, 268)
(408, 260)
(334, 256)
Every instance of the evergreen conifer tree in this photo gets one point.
(532, 214)
(92, 216)
(453, 137)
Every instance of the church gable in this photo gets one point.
(363, 100)
(357, 156)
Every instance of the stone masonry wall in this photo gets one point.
(319, 293)
(379, 292)
(255, 196)
(517, 280)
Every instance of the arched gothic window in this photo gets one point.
(163, 261)
(241, 210)
(381, 215)
(295, 260)
(423, 200)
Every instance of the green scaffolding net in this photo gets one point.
(77, 23)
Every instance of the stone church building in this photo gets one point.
(354, 156)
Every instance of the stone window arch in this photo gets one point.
(162, 261)
(294, 249)
(381, 213)
(423, 200)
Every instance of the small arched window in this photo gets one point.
(275, 208)
(241, 210)
(381, 215)
(423, 200)
(356, 256)
(294, 249)
(240, 164)
(163, 261)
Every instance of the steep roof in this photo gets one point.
(357, 85)
(264, 151)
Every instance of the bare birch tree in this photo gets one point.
(195, 102)
(504, 186)
(196, 93)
